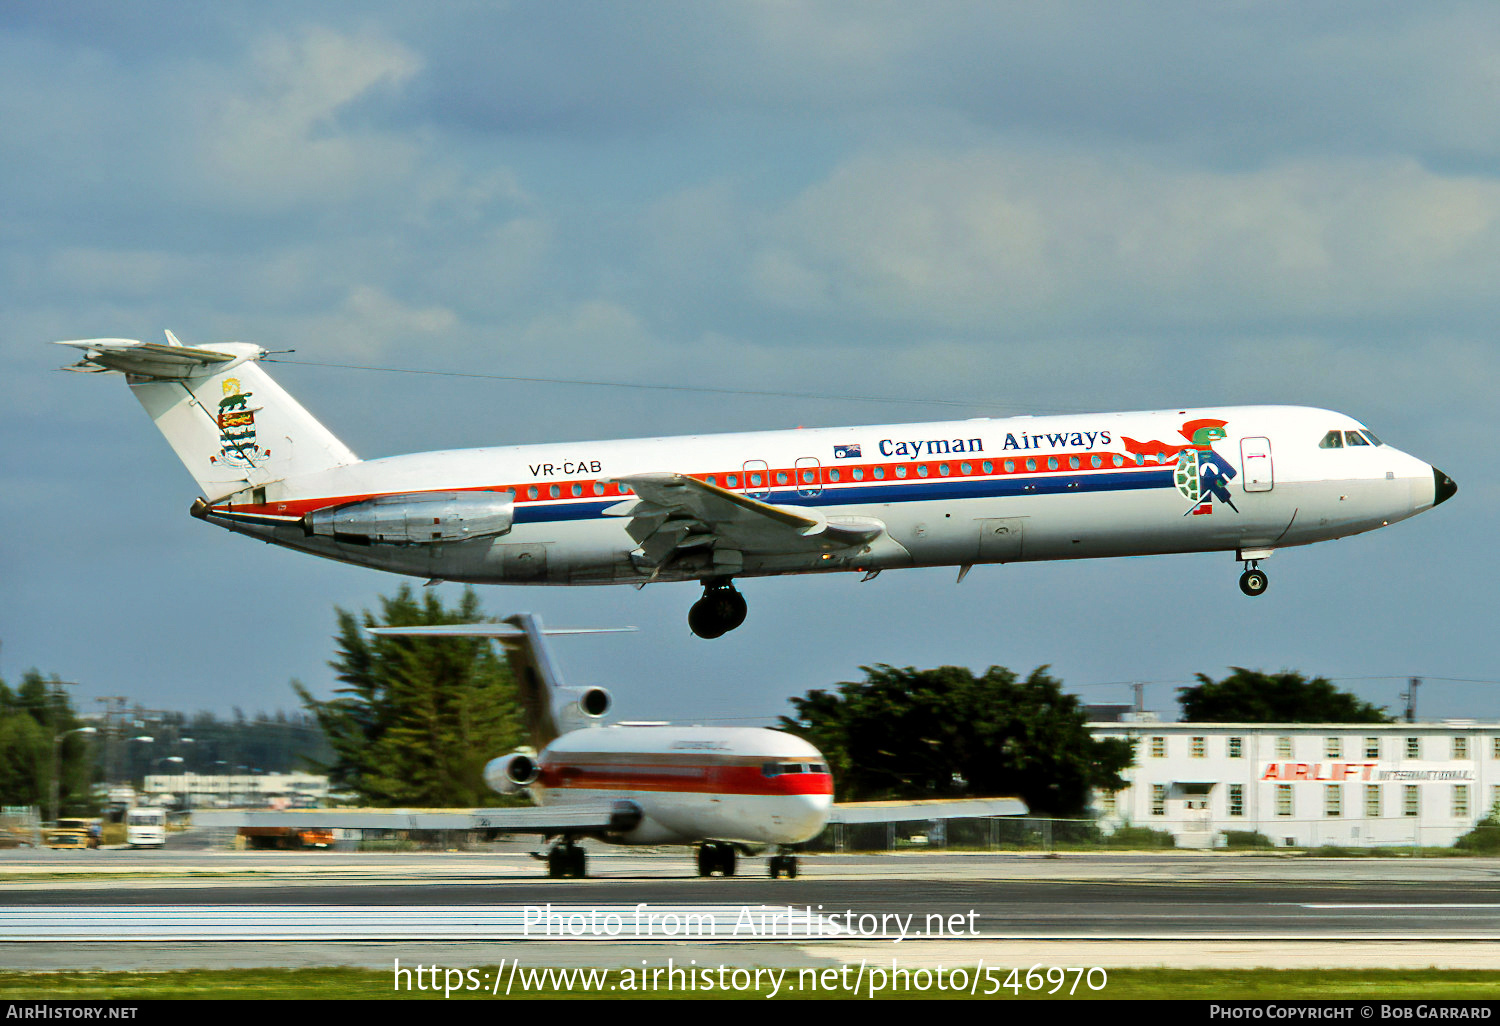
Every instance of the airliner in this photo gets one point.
(713, 508)
(723, 789)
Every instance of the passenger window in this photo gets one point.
(1353, 438)
(1332, 440)
(859, 474)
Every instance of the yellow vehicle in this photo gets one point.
(73, 833)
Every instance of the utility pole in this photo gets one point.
(1411, 698)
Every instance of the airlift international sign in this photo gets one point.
(1371, 772)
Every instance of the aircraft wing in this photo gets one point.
(676, 513)
(938, 808)
(583, 817)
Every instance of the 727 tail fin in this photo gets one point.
(231, 425)
(538, 683)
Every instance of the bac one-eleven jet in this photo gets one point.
(710, 508)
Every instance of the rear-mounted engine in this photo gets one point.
(419, 518)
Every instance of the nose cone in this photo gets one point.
(1443, 486)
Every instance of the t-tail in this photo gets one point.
(234, 428)
(550, 707)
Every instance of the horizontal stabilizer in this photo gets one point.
(150, 359)
(937, 808)
(486, 630)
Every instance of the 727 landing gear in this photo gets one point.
(719, 611)
(1253, 581)
(785, 863)
(564, 860)
(715, 857)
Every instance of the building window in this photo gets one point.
(1372, 801)
(1409, 803)
(1495, 747)
(1413, 748)
(1372, 748)
(1333, 799)
(1460, 747)
(1460, 801)
(1107, 803)
(1333, 748)
(1158, 748)
(1283, 748)
(1283, 799)
(1236, 747)
(1200, 747)
(1236, 799)
(1158, 799)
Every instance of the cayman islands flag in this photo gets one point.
(846, 452)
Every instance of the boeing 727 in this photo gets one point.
(724, 789)
(1247, 480)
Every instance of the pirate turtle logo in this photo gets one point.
(237, 426)
(1200, 474)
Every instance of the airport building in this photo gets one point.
(1307, 784)
(236, 790)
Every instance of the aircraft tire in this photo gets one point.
(703, 619)
(791, 867)
(726, 860)
(577, 863)
(705, 860)
(775, 866)
(555, 869)
(1253, 582)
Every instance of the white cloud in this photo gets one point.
(996, 239)
(279, 140)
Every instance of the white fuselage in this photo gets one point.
(737, 784)
(1243, 479)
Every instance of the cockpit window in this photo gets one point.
(1355, 438)
(1371, 436)
(1332, 440)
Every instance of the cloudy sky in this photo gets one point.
(1019, 207)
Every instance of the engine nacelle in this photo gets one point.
(417, 518)
(511, 773)
(588, 703)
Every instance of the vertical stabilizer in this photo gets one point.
(550, 707)
(232, 426)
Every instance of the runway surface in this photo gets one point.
(176, 909)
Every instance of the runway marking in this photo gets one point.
(1446, 905)
(540, 922)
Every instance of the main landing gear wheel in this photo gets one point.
(566, 860)
(715, 858)
(1253, 582)
(721, 609)
(784, 864)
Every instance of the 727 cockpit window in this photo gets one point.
(1354, 438)
(1332, 440)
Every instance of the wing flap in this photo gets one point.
(676, 513)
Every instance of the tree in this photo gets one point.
(32, 718)
(1250, 696)
(908, 733)
(417, 718)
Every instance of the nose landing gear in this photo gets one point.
(721, 609)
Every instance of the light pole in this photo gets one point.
(57, 741)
